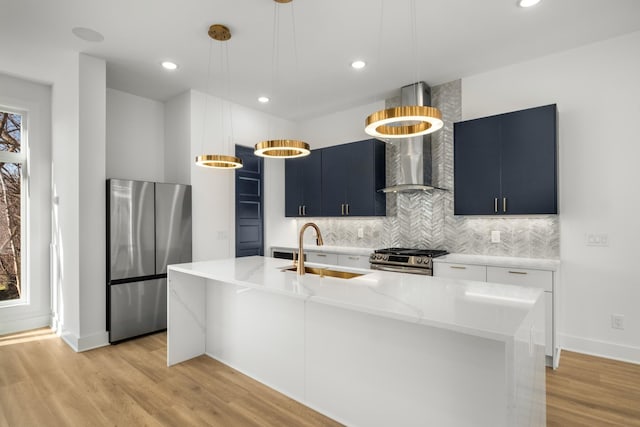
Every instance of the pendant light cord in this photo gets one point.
(274, 62)
(206, 98)
(295, 58)
(414, 38)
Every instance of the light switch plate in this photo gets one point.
(495, 236)
(360, 233)
(597, 239)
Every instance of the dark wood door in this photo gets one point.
(477, 167)
(249, 204)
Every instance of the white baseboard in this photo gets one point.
(87, 342)
(604, 349)
(20, 325)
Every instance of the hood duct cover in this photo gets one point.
(414, 154)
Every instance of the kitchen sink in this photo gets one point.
(326, 272)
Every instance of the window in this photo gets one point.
(12, 186)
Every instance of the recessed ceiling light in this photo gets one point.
(168, 65)
(528, 3)
(263, 99)
(87, 34)
(358, 64)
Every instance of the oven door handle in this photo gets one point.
(423, 271)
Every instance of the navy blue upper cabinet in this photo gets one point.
(352, 174)
(507, 164)
(303, 184)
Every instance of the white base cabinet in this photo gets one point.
(512, 276)
(460, 271)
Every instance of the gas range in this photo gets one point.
(405, 260)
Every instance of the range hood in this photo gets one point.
(414, 154)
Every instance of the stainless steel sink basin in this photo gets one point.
(322, 272)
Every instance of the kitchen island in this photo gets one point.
(379, 349)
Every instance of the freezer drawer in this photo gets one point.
(131, 229)
(137, 308)
(173, 225)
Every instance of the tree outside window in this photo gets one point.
(10, 205)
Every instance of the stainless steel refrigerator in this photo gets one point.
(148, 228)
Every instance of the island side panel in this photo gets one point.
(186, 316)
(529, 371)
(364, 370)
(258, 333)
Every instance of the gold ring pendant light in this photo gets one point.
(405, 121)
(217, 161)
(282, 148)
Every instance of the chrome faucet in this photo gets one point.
(300, 249)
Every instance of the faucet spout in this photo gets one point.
(319, 242)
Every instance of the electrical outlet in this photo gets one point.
(617, 321)
(360, 233)
(223, 235)
(595, 239)
(495, 236)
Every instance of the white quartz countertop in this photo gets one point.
(482, 309)
(501, 261)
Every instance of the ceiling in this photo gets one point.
(453, 39)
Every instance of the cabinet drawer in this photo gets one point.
(460, 271)
(322, 258)
(521, 276)
(357, 261)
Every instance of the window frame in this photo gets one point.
(22, 159)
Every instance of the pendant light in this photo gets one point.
(408, 120)
(281, 148)
(217, 161)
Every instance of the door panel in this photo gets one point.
(361, 189)
(131, 229)
(173, 225)
(477, 166)
(529, 161)
(334, 180)
(137, 308)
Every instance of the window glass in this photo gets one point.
(10, 209)
(10, 132)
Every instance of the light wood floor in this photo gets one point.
(44, 383)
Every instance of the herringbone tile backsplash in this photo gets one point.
(426, 220)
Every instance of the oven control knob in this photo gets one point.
(419, 260)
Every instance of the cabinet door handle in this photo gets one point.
(355, 258)
(517, 272)
(458, 267)
(504, 204)
(322, 255)
(347, 208)
(495, 205)
(299, 210)
(304, 210)
(342, 208)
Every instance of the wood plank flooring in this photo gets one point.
(44, 383)
(592, 391)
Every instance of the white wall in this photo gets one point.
(35, 100)
(58, 68)
(214, 190)
(597, 92)
(338, 128)
(92, 204)
(135, 137)
(77, 82)
(177, 137)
